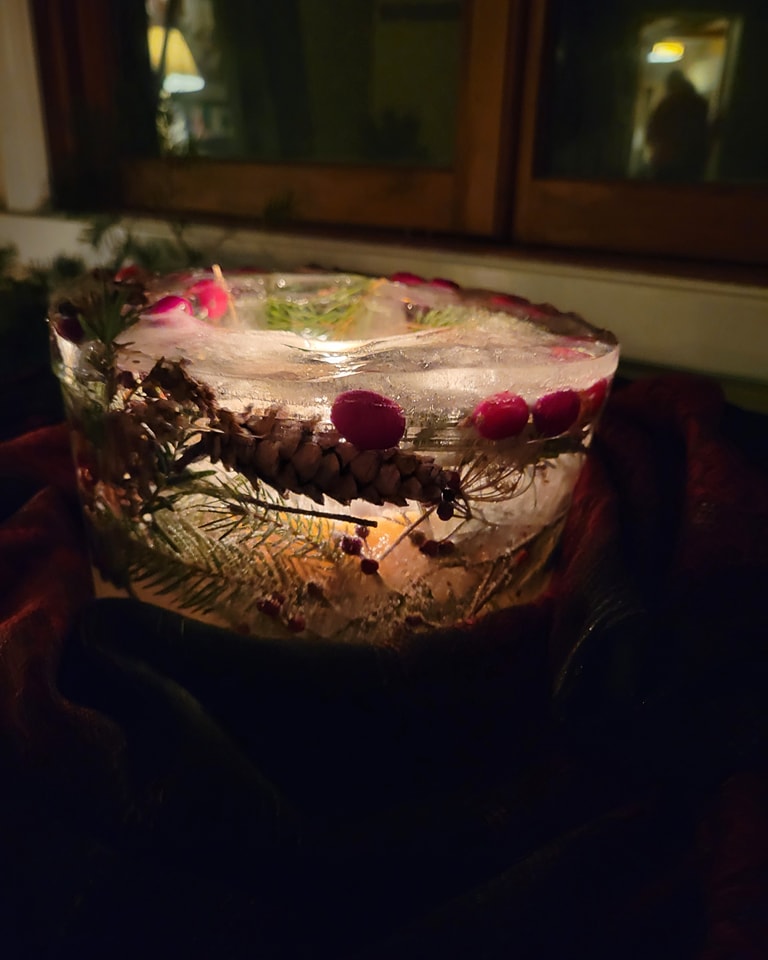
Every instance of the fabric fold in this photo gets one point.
(562, 779)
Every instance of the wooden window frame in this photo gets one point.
(706, 221)
(492, 192)
(77, 72)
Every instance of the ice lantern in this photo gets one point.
(331, 455)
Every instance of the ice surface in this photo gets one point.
(298, 341)
(385, 342)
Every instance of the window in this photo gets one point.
(523, 122)
(589, 174)
(100, 91)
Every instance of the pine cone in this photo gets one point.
(301, 456)
(175, 383)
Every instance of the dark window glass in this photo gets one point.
(318, 81)
(642, 90)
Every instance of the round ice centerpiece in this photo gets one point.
(334, 455)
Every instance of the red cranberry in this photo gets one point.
(296, 624)
(444, 284)
(369, 566)
(368, 420)
(362, 532)
(500, 416)
(413, 279)
(507, 300)
(211, 297)
(445, 510)
(555, 412)
(163, 311)
(130, 273)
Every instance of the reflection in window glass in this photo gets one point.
(328, 81)
(647, 91)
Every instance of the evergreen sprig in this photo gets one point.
(323, 312)
(200, 574)
(118, 244)
(436, 317)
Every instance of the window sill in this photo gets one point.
(669, 315)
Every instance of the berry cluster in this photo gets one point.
(273, 607)
(506, 415)
(204, 299)
(353, 547)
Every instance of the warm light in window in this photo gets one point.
(666, 51)
(181, 73)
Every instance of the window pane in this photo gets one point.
(646, 91)
(325, 81)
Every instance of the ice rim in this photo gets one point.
(130, 352)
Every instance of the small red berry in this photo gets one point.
(446, 547)
(413, 279)
(500, 416)
(369, 566)
(362, 532)
(418, 538)
(351, 546)
(296, 624)
(269, 607)
(130, 273)
(555, 412)
(430, 548)
(508, 300)
(445, 510)
(211, 297)
(368, 420)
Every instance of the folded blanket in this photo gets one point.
(582, 776)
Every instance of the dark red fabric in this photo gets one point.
(586, 776)
(44, 577)
(734, 849)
